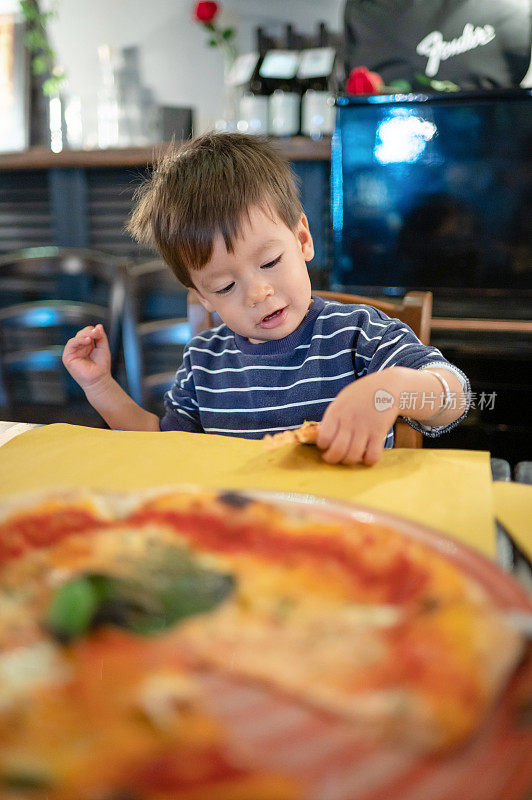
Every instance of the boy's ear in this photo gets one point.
(305, 238)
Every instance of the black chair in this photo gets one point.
(53, 292)
(155, 332)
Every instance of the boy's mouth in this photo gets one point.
(272, 319)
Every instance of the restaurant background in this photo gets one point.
(67, 208)
(81, 197)
(175, 60)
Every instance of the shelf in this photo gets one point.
(298, 148)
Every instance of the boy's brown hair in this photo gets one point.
(207, 186)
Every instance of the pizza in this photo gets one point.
(306, 434)
(117, 611)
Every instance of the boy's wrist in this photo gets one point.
(100, 388)
(118, 409)
(398, 381)
(419, 394)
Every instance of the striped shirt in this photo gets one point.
(229, 386)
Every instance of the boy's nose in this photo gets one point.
(259, 292)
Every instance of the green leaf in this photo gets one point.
(53, 86)
(438, 86)
(20, 778)
(40, 65)
(35, 39)
(401, 85)
(212, 43)
(46, 16)
(422, 78)
(444, 86)
(72, 608)
(168, 586)
(228, 33)
(29, 11)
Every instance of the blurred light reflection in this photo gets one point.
(402, 137)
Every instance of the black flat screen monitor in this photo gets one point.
(435, 192)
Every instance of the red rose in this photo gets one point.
(205, 11)
(362, 81)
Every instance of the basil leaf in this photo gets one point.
(158, 592)
(72, 608)
(189, 594)
(20, 779)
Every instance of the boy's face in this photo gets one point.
(265, 275)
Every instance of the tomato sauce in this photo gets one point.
(20, 534)
(400, 577)
(204, 767)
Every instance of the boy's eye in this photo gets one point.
(271, 264)
(225, 289)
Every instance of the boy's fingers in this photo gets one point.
(339, 448)
(80, 339)
(356, 451)
(90, 330)
(97, 332)
(326, 433)
(373, 451)
(86, 336)
(98, 336)
(80, 342)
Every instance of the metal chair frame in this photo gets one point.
(138, 334)
(27, 271)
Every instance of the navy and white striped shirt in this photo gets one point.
(228, 386)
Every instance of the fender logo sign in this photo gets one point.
(437, 49)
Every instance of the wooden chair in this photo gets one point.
(59, 291)
(414, 309)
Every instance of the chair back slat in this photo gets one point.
(415, 310)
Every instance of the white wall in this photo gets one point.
(175, 60)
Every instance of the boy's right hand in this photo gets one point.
(87, 356)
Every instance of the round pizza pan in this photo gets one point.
(494, 765)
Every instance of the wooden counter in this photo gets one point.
(298, 148)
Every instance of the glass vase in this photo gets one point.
(230, 96)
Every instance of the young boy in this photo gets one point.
(224, 213)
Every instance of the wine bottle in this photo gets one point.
(285, 101)
(316, 74)
(253, 117)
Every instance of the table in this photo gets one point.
(8, 430)
(500, 469)
(450, 490)
(505, 550)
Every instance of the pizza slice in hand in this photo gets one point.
(306, 434)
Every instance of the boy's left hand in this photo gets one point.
(356, 423)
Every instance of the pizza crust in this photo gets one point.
(101, 505)
(306, 434)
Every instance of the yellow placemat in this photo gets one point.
(451, 490)
(513, 507)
